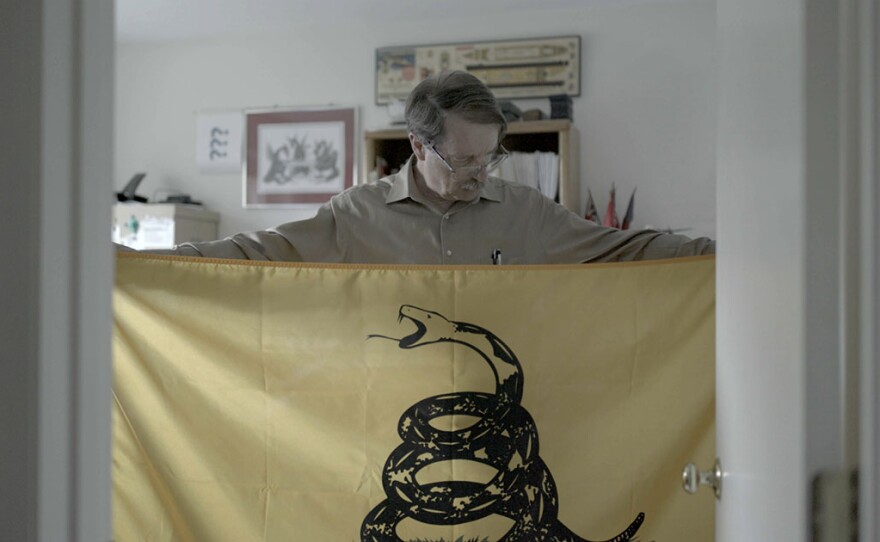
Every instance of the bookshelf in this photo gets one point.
(556, 135)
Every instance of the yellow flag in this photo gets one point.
(298, 402)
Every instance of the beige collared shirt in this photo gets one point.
(391, 222)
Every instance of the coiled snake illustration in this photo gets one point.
(505, 438)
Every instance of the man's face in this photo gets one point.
(464, 144)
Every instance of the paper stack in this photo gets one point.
(540, 170)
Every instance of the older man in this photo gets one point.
(444, 208)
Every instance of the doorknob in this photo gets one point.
(692, 479)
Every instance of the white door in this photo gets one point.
(56, 103)
(789, 184)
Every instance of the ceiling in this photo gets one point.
(167, 20)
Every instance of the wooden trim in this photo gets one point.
(869, 293)
(75, 374)
(539, 126)
(518, 127)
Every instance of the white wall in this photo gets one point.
(646, 114)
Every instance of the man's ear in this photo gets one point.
(418, 147)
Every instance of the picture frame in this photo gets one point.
(298, 157)
(512, 69)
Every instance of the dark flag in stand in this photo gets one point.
(627, 218)
(592, 212)
(611, 213)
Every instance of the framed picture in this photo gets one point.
(298, 157)
(526, 68)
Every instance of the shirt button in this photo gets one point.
(449, 253)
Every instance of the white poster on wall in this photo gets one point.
(218, 141)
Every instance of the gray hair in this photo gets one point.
(455, 92)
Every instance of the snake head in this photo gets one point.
(431, 327)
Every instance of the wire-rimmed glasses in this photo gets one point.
(492, 161)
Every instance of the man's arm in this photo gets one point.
(569, 238)
(313, 240)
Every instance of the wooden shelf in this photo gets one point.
(556, 135)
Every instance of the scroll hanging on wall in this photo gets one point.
(528, 68)
(218, 141)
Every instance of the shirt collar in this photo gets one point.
(403, 186)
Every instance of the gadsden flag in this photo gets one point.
(298, 402)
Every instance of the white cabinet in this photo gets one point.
(162, 225)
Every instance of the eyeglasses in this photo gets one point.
(492, 161)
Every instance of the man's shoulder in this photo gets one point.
(367, 192)
(382, 186)
(515, 192)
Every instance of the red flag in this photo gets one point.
(627, 218)
(611, 213)
(592, 212)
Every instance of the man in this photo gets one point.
(444, 208)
